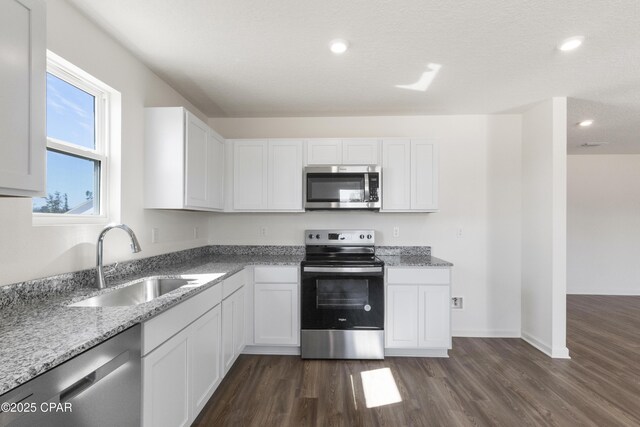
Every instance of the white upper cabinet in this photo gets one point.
(267, 175)
(22, 98)
(216, 170)
(250, 162)
(285, 175)
(409, 175)
(396, 174)
(184, 161)
(424, 176)
(324, 152)
(360, 151)
(197, 152)
(354, 151)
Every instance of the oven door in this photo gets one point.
(342, 297)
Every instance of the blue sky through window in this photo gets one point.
(70, 113)
(70, 118)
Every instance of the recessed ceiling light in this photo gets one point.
(585, 123)
(338, 46)
(571, 43)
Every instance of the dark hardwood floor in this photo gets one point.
(485, 382)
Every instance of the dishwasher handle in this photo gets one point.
(89, 380)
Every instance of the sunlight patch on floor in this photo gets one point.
(379, 388)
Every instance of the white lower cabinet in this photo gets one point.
(180, 375)
(165, 396)
(434, 316)
(205, 367)
(418, 310)
(187, 350)
(402, 316)
(276, 314)
(276, 306)
(233, 328)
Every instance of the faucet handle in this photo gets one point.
(112, 269)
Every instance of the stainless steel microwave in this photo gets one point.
(342, 187)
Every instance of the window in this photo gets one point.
(77, 145)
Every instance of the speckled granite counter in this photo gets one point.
(414, 261)
(38, 330)
(45, 332)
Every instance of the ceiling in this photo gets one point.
(242, 58)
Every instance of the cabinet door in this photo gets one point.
(434, 321)
(216, 172)
(402, 316)
(232, 328)
(250, 162)
(22, 98)
(285, 174)
(227, 334)
(165, 392)
(205, 367)
(360, 151)
(396, 174)
(276, 319)
(197, 157)
(424, 176)
(238, 322)
(324, 152)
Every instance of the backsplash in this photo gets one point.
(256, 250)
(403, 250)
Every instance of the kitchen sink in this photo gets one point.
(138, 292)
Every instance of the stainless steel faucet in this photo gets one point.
(135, 247)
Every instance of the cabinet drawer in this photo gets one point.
(233, 283)
(418, 276)
(276, 274)
(162, 327)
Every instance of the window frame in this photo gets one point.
(73, 75)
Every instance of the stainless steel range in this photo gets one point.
(342, 296)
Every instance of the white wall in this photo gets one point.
(603, 225)
(544, 226)
(479, 190)
(28, 251)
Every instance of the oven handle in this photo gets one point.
(342, 269)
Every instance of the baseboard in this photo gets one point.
(272, 350)
(609, 292)
(493, 333)
(416, 352)
(556, 353)
(394, 352)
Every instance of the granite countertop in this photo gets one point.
(38, 330)
(38, 336)
(413, 261)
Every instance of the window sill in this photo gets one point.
(61, 219)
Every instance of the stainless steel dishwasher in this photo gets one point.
(100, 387)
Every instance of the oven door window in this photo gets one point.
(331, 187)
(350, 294)
(342, 301)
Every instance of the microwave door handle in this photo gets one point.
(366, 188)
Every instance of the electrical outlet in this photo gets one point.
(456, 303)
(396, 231)
(154, 234)
(460, 232)
(263, 231)
(196, 232)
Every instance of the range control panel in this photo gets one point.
(340, 237)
